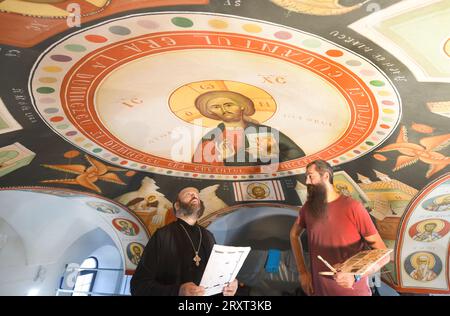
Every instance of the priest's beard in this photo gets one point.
(317, 200)
(189, 209)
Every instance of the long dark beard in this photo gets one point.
(188, 209)
(317, 200)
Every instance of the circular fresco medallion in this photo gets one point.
(150, 91)
(104, 207)
(258, 190)
(440, 203)
(134, 252)
(423, 266)
(447, 47)
(126, 226)
(429, 230)
(53, 8)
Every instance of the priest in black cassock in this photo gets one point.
(176, 255)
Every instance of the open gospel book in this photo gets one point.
(363, 261)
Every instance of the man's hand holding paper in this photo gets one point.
(222, 268)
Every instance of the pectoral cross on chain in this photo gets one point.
(197, 259)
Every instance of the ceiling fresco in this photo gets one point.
(113, 98)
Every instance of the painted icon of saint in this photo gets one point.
(429, 230)
(258, 192)
(423, 269)
(134, 252)
(104, 208)
(126, 227)
(423, 266)
(239, 140)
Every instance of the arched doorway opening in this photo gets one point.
(265, 228)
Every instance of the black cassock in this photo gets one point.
(167, 261)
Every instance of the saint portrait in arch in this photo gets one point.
(423, 266)
(126, 227)
(429, 230)
(134, 252)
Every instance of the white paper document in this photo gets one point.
(222, 267)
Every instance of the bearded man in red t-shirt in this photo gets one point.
(337, 227)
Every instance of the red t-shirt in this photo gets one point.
(336, 238)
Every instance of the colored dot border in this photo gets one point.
(48, 74)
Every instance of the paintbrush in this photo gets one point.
(327, 264)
